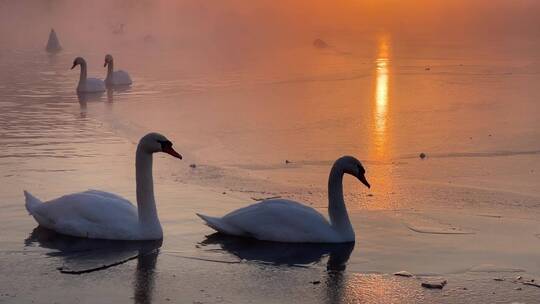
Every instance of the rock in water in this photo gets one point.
(403, 273)
(320, 44)
(53, 45)
(422, 155)
(434, 285)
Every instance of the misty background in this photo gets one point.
(239, 30)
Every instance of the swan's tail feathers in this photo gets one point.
(219, 225)
(31, 202)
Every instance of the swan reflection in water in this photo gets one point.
(81, 255)
(119, 89)
(85, 98)
(283, 254)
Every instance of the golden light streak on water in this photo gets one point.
(381, 95)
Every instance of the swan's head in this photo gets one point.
(353, 167)
(155, 142)
(77, 61)
(108, 59)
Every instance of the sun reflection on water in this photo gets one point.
(381, 95)
(380, 172)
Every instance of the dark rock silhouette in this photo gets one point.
(320, 44)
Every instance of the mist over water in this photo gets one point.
(236, 29)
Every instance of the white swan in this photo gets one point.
(115, 78)
(102, 215)
(281, 220)
(53, 45)
(87, 85)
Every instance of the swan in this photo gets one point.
(87, 85)
(53, 45)
(115, 78)
(282, 220)
(102, 215)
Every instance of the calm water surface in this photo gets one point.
(304, 105)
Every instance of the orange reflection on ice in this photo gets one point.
(381, 95)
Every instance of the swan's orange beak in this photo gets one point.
(170, 151)
(364, 181)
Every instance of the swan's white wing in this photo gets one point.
(108, 195)
(92, 213)
(281, 221)
(121, 78)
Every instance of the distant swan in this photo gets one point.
(53, 45)
(281, 220)
(103, 215)
(87, 85)
(115, 78)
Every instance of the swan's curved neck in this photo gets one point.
(339, 218)
(83, 72)
(146, 203)
(110, 69)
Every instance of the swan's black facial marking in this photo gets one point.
(361, 176)
(108, 61)
(166, 147)
(361, 170)
(165, 144)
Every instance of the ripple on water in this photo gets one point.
(42, 127)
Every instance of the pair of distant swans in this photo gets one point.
(102, 215)
(95, 85)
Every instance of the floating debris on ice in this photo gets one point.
(532, 283)
(264, 198)
(490, 215)
(434, 285)
(403, 273)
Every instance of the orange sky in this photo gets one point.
(265, 20)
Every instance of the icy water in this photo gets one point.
(271, 126)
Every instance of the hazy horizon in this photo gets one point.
(264, 26)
